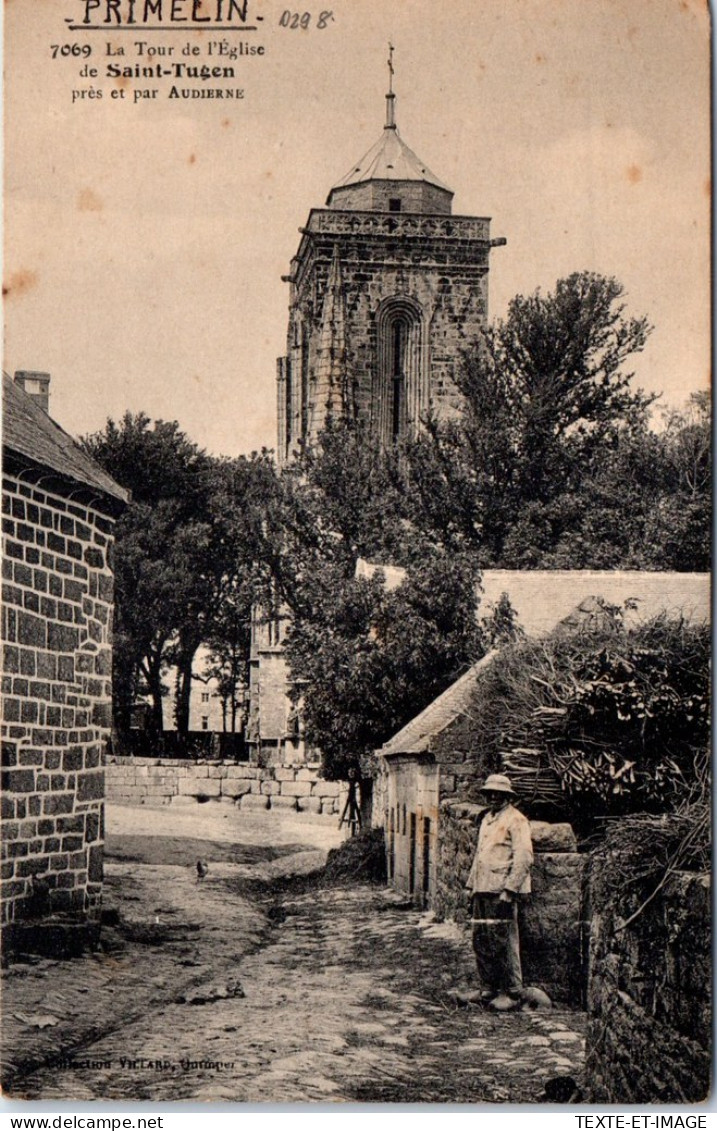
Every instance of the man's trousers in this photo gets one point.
(496, 944)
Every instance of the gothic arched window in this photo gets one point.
(400, 392)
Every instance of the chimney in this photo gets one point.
(36, 385)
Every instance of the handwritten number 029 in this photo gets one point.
(294, 20)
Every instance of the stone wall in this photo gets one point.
(416, 786)
(551, 919)
(650, 1033)
(155, 782)
(463, 761)
(408, 800)
(56, 628)
(375, 196)
(449, 283)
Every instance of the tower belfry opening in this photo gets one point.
(399, 354)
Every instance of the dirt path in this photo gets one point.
(233, 990)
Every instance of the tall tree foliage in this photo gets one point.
(545, 394)
(158, 540)
(186, 549)
(242, 490)
(678, 529)
(365, 655)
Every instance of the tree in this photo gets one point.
(544, 392)
(660, 479)
(367, 657)
(678, 530)
(228, 660)
(190, 561)
(370, 658)
(162, 541)
(337, 501)
(242, 493)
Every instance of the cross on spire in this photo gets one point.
(390, 97)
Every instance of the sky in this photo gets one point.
(145, 244)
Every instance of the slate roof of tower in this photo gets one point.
(390, 159)
(29, 432)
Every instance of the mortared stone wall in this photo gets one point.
(56, 631)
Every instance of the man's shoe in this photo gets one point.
(503, 1003)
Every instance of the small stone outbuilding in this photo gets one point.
(59, 511)
(436, 757)
(432, 769)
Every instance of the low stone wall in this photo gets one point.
(650, 1032)
(155, 782)
(552, 927)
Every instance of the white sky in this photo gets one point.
(144, 245)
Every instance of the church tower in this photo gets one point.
(386, 289)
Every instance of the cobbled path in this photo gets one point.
(346, 998)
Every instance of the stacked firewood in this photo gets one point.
(525, 754)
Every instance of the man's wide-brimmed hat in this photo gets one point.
(497, 783)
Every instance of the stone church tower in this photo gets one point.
(386, 289)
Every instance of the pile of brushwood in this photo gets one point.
(600, 720)
(640, 852)
(361, 859)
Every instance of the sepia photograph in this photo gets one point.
(356, 554)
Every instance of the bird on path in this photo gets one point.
(202, 870)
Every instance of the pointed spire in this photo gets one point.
(389, 159)
(390, 97)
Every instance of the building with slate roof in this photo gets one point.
(59, 512)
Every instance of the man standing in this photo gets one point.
(500, 874)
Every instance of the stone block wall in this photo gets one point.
(553, 943)
(406, 804)
(449, 285)
(156, 782)
(464, 764)
(554, 927)
(439, 263)
(56, 632)
(375, 196)
(649, 995)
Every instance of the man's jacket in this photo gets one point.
(504, 854)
